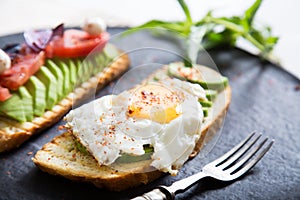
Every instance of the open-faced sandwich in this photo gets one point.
(41, 78)
(121, 141)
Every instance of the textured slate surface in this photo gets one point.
(264, 98)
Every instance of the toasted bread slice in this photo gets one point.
(13, 134)
(61, 157)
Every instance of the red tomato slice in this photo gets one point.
(22, 68)
(76, 43)
(4, 94)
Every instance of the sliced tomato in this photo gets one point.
(76, 43)
(23, 66)
(4, 94)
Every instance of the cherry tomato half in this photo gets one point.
(76, 43)
(23, 67)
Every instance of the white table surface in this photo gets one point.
(282, 16)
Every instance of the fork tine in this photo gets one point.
(221, 159)
(246, 158)
(253, 162)
(238, 154)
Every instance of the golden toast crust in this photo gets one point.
(58, 157)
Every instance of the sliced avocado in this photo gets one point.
(205, 111)
(93, 65)
(49, 80)
(100, 62)
(56, 71)
(13, 108)
(127, 158)
(218, 86)
(211, 94)
(27, 101)
(89, 68)
(105, 60)
(111, 51)
(204, 76)
(80, 72)
(156, 79)
(80, 147)
(85, 70)
(75, 75)
(38, 92)
(73, 72)
(66, 73)
(205, 103)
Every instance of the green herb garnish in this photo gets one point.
(213, 31)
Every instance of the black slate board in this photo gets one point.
(264, 98)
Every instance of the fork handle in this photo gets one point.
(184, 184)
(168, 192)
(156, 194)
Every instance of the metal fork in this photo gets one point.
(228, 167)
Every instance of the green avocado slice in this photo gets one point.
(100, 62)
(56, 71)
(204, 76)
(73, 72)
(38, 92)
(92, 66)
(80, 72)
(49, 80)
(205, 111)
(111, 52)
(85, 69)
(205, 103)
(95, 66)
(13, 108)
(27, 102)
(67, 85)
(127, 158)
(124, 158)
(211, 95)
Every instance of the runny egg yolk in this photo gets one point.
(154, 102)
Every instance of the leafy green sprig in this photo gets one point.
(206, 32)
